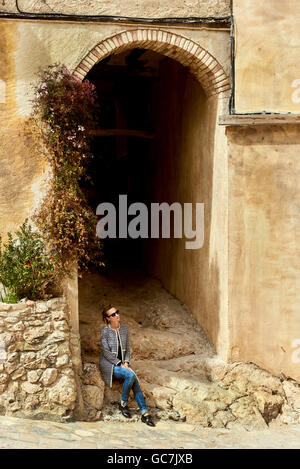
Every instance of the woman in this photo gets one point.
(114, 362)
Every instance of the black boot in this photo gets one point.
(147, 420)
(124, 411)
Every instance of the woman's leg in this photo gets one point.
(139, 397)
(128, 376)
(130, 382)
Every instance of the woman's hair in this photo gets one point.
(104, 312)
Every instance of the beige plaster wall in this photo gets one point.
(134, 8)
(26, 46)
(191, 166)
(267, 67)
(264, 221)
(22, 170)
(41, 43)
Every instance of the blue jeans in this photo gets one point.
(130, 382)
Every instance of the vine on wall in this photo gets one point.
(64, 111)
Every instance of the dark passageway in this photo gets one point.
(141, 127)
(123, 147)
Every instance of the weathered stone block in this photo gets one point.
(36, 334)
(61, 325)
(34, 323)
(11, 357)
(17, 346)
(4, 307)
(50, 351)
(27, 357)
(13, 407)
(36, 364)
(31, 402)
(10, 367)
(63, 392)
(31, 388)
(93, 396)
(49, 376)
(41, 307)
(56, 303)
(57, 336)
(13, 318)
(62, 360)
(19, 326)
(7, 338)
(3, 378)
(34, 375)
(269, 404)
(18, 374)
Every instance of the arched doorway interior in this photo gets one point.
(179, 157)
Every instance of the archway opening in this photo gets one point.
(145, 147)
(155, 143)
(128, 85)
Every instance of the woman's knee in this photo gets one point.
(127, 371)
(130, 375)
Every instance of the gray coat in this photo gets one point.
(108, 355)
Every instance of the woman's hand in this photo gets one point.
(126, 365)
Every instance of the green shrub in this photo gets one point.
(8, 297)
(27, 269)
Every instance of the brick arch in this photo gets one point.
(200, 62)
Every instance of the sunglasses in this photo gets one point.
(113, 314)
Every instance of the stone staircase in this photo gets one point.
(181, 376)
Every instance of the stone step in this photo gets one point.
(180, 374)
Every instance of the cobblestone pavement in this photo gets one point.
(18, 433)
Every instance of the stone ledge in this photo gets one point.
(259, 119)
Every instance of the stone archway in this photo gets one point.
(206, 68)
(215, 84)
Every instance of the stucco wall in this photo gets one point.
(38, 44)
(26, 46)
(263, 189)
(264, 220)
(22, 168)
(267, 69)
(134, 8)
(191, 167)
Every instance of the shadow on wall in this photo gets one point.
(212, 302)
(183, 171)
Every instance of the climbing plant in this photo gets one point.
(64, 111)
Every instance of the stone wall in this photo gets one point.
(37, 379)
(139, 8)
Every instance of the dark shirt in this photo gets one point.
(119, 351)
